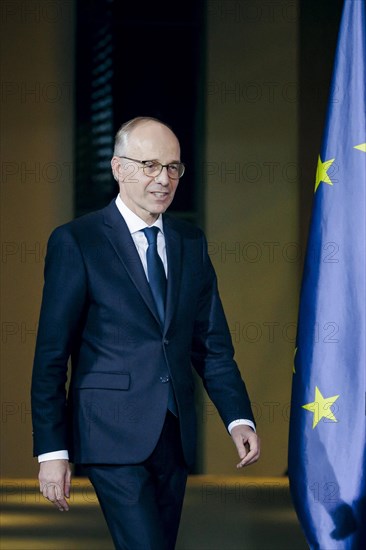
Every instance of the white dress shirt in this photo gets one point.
(135, 225)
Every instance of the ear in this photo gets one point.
(116, 167)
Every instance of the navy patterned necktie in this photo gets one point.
(157, 281)
(155, 271)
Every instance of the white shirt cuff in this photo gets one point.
(54, 455)
(241, 421)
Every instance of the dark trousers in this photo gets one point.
(142, 503)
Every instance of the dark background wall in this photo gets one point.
(244, 84)
(138, 59)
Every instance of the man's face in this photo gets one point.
(147, 196)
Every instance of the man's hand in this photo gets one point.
(55, 481)
(247, 443)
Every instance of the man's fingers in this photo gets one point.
(67, 483)
(62, 505)
(59, 498)
(242, 448)
(251, 457)
(247, 444)
(54, 493)
(55, 481)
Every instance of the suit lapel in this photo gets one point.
(173, 243)
(120, 238)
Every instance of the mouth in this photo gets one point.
(159, 194)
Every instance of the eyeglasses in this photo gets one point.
(152, 168)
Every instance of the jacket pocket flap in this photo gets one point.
(104, 381)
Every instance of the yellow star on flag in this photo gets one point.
(321, 173)
(321, 407)
(361, 147)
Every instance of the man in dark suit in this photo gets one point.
(131, 296)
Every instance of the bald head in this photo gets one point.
(128, 128)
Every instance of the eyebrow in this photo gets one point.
(157, 160)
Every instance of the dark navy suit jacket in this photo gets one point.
(97, 307)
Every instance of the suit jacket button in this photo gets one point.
(164, 379)
(166, 341)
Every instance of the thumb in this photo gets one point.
(241, 446)
(67, 483)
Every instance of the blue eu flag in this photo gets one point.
(327, 449)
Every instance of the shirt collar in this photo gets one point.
(134, 222)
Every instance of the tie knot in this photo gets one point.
(151, 233)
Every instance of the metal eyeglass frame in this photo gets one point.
(143, 162)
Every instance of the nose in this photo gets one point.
(163, 177)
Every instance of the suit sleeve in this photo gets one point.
(63, 303)
(213, 353)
